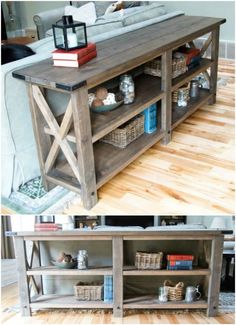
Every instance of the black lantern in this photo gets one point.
(68, 34)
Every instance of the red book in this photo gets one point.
(73, 55)
(75, 64)
(47, 225)
(180, 257)
(46, 229)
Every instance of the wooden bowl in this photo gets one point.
(65, 265)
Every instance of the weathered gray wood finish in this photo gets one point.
(214, 69)
(94, 162)
(166, 61)
(117, 250)
(210, 269)
(23, 281)
(214, 280)
(83, 135)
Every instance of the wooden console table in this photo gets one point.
(207, 248)
(94, 162)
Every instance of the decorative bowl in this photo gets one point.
(65, 265)
(106, 108)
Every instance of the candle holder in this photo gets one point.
(68, 34)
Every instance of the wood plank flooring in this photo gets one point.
(193, 174)
(10, 315)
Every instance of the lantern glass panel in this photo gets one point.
(59, 37)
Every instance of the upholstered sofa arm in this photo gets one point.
(44, 20)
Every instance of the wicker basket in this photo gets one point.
(88, 291)
(186, 90)
(151, 261)
(154, 67)
(175, 291)
(126, 133)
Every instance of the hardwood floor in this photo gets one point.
(193, 174)
(10, 315)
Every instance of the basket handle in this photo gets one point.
(179, 285)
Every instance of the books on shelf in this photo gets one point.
(47, 226)
(179, 267)
(73, 55)
(75, 63)
(175, 257)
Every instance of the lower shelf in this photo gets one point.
(179, 114)
(65, 301)
(109, 160)
(151, 302)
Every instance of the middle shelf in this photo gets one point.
(127, 271)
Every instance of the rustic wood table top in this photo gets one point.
(132, 49)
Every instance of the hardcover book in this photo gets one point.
(73, 55)
(75, 63)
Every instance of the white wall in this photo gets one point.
(207, 220)
(218, 9)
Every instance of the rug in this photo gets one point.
(31, 198)
(227, 302)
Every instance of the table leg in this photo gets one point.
(214, 281)
(166, 103)
(43, 141)
(22, 276)
(85, 157)
(214, 68)
(117, 250)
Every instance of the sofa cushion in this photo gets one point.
(101, 6)
(147, 12)
(100, 27)
(85, 13)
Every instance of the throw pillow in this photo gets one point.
(116, 6)
(86, 13)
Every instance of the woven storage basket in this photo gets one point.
(175, 291)
(126, 133)
(88, 291)
(186, 89)
(154, 67)
(151, 261)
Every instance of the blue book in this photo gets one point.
(150, 119)
(108, 288)
(180, 263)
(179, 267)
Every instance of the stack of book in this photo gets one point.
(180, 262)
(74, 58)
(192, 56)
(49, 226)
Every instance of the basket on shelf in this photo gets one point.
(185, 90)
(175, 291)
(126, 133)
(178, 67)
(88, 291)
(151, 261)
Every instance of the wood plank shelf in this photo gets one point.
(110, 160)
(179, 114)
(190, 74)
(65, 301)
(131, 270)
(152, 302)
(147, 92)
(52, 270)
